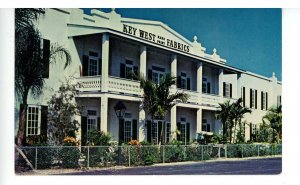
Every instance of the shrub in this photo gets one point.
(70, 154)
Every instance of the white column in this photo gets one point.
(142, 120)
(221, 82)
(173, 122)
(143, 60)
(199, 120)
(103, 112)
(199, 77)
(105, 62)
(174, 68)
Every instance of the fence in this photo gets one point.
(45, 157)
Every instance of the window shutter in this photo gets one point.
(261, 100)
(134, 129)
(99, 66)
(266, 101)
(224, 89)
(255, 99)
(178, 128)
(149, 127)
(244, 96)
(44, 122)
(122, 70)
(121, 131)
(208, 87)
(187, 133)
(230, 90)
(251, 98)
(98, 124)
(83, 130)
(46, 57)
(159, 130)
(178, 81)
(136, 73)
(85, 65)
(149, 74)
(188, 84)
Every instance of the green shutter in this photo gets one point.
(224, 89)
(251, 98)
(46, 58)
(122, 70)
(266, 101)
(99, 66)
(208, 87)
(230, 90)
(134, 129)
(44, 121)
(149, 127)
(187, 133)
(121, 131)
(83, 130)
(149, 74)
(188, 84)
(178, 81)
(261, 100)
(255, 99)
(159, 130)
(244, 96)
(85, 65)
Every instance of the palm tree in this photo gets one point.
(237, 114)
(30, 64)
(274, 117)
(223, 114)
(158, 100)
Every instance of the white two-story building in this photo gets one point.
(108, 49)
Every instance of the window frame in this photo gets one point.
(96, 58)
(204, 84)
(159, 73)
(183, 78)
(38, 126)
(204, 125)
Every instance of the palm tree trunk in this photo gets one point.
(234, 133)
(22, 121)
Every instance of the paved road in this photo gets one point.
(240, 167)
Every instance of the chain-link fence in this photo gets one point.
(46, 157)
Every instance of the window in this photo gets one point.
(168, 132)
(93, 68)
(205, 85)
(264, 100)
(243, 96)
(205, 126)
(227, 90)
(184, 129)
(157, 74)
(183, 81)
(33, 120)
(128, 70)
(91, 123)
(154, 130)
(253, 98)
(127, 131)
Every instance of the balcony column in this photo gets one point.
(103, 113)
(221, 82)
(105, 62)
(143, 60)
(199, 120)
(174, 68)
(199, 80)
(142, 119)
(173, 122)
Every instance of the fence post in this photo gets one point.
(128, 149)
(35, 166)
(163, 153)
(88, 156)
(202, 153)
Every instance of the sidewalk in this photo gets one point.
(66, 171)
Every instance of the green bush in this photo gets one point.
(70, 154)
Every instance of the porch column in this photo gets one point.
(143, 60)
(199, 120)
(105, 62)
(199, 80)
(103, 113)
(142, 128)
(221, 82)
(173, 122)
(174, 68)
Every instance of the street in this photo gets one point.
(239, 167)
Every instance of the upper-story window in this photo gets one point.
(227, 90)
(205, 85)
(128, 70)
(92, 64)
(253, 98)
(157, 74)
(33, 120)
(264, 100)
(183, 81)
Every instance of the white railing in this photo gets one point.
(211, 100)
(193, 95)
(89, 83)
(122, 85)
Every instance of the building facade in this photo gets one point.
(110, 53)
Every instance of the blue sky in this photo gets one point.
(248, 39)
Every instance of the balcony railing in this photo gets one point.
(193, 95)
(211, 100)
(89, 83)
(125, 86)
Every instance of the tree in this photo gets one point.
(237, 114)
(158, 100)
(223, 114)
(62, 110)
(264, 133)
(31, 63)
(274, 117)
